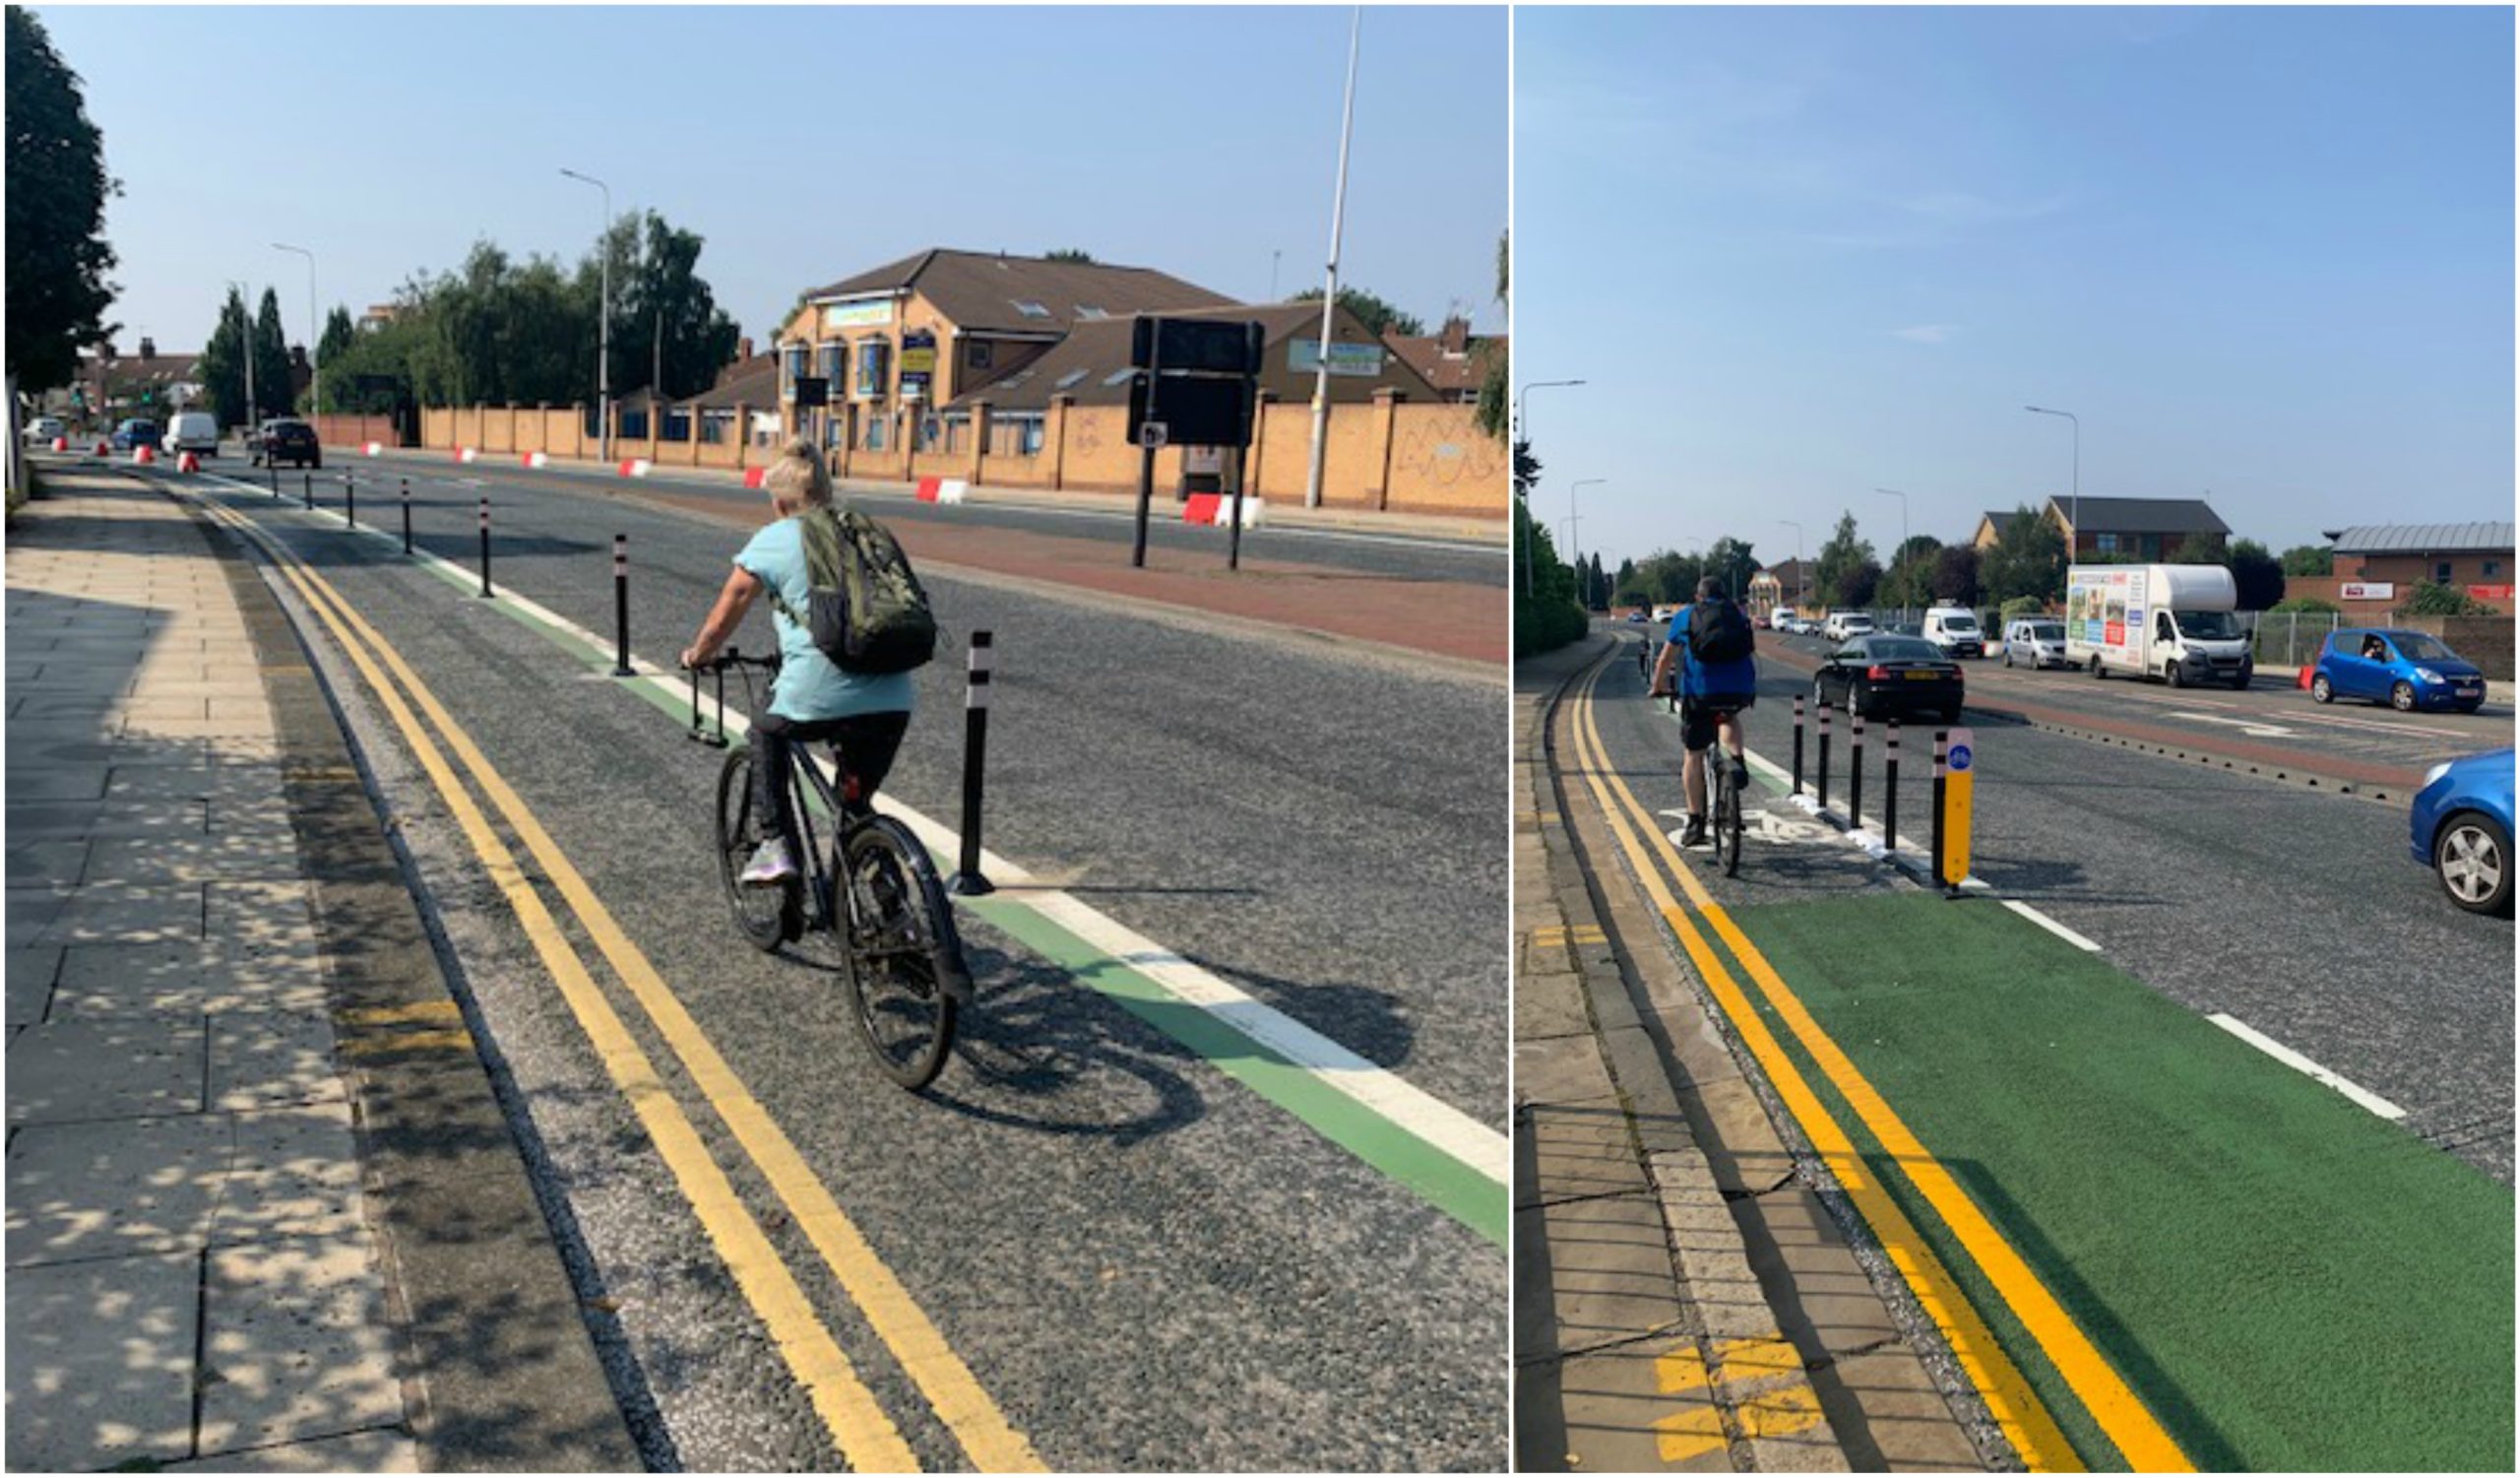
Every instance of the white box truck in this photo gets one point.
(2172, 622)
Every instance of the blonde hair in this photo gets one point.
(798, 479)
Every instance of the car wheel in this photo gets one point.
(1951, 716)
(2472, 856)
(317, 461)
(1859, 701)
(2173, 674)
(2402, 697)
(2321, 691)
(2097, 671)
(1819, 694)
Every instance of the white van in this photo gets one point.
(2172, 622)
(1845, 625)
(191, 431)
(1955, 629)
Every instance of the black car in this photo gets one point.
(289, 441)
(1883, 675)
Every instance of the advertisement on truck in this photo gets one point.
(2172, 622)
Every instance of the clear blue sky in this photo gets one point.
(1798, 254)
(804, 144)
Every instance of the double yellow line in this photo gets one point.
(2016, 1407)
(864, 1434)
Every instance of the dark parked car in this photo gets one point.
(291, 441)
(1881, 676)
(136, 432)
(2460, 826)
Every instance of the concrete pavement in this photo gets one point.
(235, 1186)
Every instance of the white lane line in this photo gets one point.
(2301, 1065)
(2051, 924)
(1385, 1093)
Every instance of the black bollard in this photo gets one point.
(1890, 789)
(310, 491)
(968, 881)
(621, 606)
(1823, 787)
(273, 466)
(1855, 770)
(349, 498)
(1797, 743)
(407, 517)
(1941, 757)
(485, 548)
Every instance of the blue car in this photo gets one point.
(2460, 826)
(2405, 669)
(136, 432)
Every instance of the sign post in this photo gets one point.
(1196, 382)
(1960, 779)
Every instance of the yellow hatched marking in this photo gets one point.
(454, 1038)
(2026, 1422)
(951, 1389)
(1553, 935)
(2139, 1436)
(419, 1014)
(864, 1434)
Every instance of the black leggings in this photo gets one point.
(866, 742)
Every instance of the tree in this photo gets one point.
(1838, 562)
(1860, 584)
(338, 332)
(1955, 576)
(1730, 560)
(665, 293)
(2028, 559)
(1378, 316)
(274, 390)
(2258, 574)
(1626, 574)
(222, 367)
(1910, 579)
(2430, 598)
(58, 253)
(1076, 254)
(1495, 385)
(2310, 559)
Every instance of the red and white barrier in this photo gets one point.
(941, 489)
(61, 443)
(375, 448)
(927, 489)
(142, 456)
(754, 476)
(636, 466)
(466, 452)
(104, 449)
(188, 461)
(1217, 509)
(535, 459)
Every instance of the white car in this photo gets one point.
(1845, 624)
(43, 430)
(2035, 641)
(191, 431)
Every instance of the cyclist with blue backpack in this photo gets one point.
(1712, 644)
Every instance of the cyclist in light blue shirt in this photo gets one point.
(863, 714)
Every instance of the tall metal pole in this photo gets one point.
(603, 326)
(1330, 289)
(2077, 519)
(312, 327)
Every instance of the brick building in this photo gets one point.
(2145, 529)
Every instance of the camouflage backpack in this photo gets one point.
(864, 608)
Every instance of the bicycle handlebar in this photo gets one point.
(731, 658)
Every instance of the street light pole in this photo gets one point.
(604, 311)
(312, 327)
(1902, 542)
(1521, 433)
(1329, 290)
(2077, 520)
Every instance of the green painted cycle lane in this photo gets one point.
(2286, 1280)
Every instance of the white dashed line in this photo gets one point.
(2301, 1065)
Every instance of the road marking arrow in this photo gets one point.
(2245, 725)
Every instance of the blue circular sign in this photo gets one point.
(1959, 758)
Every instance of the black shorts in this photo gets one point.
(1700, 714)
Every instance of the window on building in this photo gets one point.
(875, 433)
(2492, 567)
(1090, 311)
(2441, 572)
(983, 354)
(1030, 435)
(874, 355)
(1119, 377)
(1029, 308)
(791, 368)
(2106, 544)
(832, 364)
(1076, 377)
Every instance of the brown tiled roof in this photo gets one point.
(750, 383)
(1090, 365)
(1450, 373)
(978, 291)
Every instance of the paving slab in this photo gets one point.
(296, 1174)
(195, 977)
(101, 1362)
(260, 1057)
(31, 973)
(118, 1068)
(379, 1449)
(115, 1188)
(295, 1344)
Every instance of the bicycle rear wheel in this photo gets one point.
(905, 973)
(1727, 825)
(763, 916)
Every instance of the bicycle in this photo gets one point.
(1725, 775)
(891, 927)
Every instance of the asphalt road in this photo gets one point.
(2271, 714)
(1389, 555)
(2297, 912)
(1144, 1262)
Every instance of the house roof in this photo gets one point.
(1999, 521)
(2421, 539)
(1091, 366)
(2140, 516)
(979, 291)
(746, 382)
(1452, 372)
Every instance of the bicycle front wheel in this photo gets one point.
(763, 916)
(1728, 819)
(905, 973)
